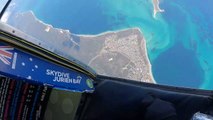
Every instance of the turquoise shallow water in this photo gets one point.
(174, 38)
(194, 28)
(179, 41)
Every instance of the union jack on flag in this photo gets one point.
(6, 54)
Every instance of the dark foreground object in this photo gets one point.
(120, 100)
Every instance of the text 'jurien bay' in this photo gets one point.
(63, 77)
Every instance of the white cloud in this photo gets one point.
(47, 29)
(5, 16)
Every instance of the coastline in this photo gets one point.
(144, 48)
(106, 32)
(126, 29)
(147, 58)
(65, 36)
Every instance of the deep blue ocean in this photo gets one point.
(179, 40)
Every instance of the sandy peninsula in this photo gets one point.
(156, 7)
(120, 54)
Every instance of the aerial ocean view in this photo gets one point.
(179, 40)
